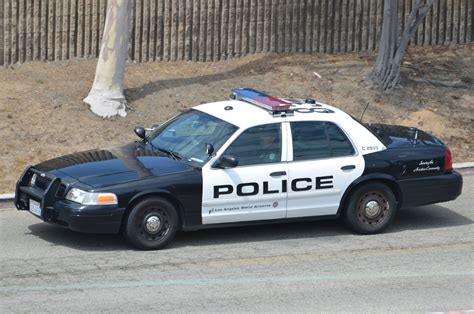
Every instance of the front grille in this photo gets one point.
(42, 182)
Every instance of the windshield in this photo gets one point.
(185, 136)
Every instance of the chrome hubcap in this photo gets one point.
(372, 209)
(153, 224)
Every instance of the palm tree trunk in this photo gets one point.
(386, 71)
(106, 98)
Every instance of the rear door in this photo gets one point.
(323, 162)
(256, 188)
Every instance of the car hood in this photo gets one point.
(113, 165)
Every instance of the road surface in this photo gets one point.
(423, 263)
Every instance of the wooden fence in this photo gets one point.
(209, 30)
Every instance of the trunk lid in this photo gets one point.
(397, 136)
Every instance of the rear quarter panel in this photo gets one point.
(407, 162)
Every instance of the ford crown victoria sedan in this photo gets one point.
(251, 159)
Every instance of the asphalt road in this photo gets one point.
(424, 263)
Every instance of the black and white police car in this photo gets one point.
(252, 159)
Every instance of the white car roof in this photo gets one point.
(245, 115)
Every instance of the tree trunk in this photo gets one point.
(386, 71)
(106, 98)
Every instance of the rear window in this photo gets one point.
(318, 139)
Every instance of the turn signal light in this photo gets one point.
(106, 199)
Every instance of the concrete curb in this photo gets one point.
(7, 197)
(462, 165)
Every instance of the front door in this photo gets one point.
(255, 189)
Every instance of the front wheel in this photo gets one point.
(151, 224)
(371, 208)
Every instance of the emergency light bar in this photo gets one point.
(262, 100)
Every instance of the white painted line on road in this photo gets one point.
(231, 281)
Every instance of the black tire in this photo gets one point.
(371, 208)
(161, 228)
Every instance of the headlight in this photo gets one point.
(89, 198)
(33, 179)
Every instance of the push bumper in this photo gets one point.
(54, 209)
(431, 190)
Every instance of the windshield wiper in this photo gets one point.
(175, 155)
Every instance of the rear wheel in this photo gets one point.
(151, 224)
(371, 208)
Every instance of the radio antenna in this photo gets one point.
(362, 116)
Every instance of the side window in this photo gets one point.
(309, 140)
(257, 145)
(317, 139)
(340, 144)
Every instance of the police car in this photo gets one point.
(252, 159)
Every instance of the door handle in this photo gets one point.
(278, 174)
(348, 167)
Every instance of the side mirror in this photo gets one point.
(209, 149)
(226, 162)
(140, 132)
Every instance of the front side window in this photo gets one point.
(186, 135)
(257, 145)
(318, 139)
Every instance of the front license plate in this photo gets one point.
(35, 208)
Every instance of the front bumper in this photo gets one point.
(55, 209)
(88, 219)
(431, 190)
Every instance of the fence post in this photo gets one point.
(202, 31)
(260, 26)
(13, 32)
(231, 40)
(2, 29)
(471, 9)
(216, 54)
(174, 30)
(247, 17)
(160, 30)
(287, 26)
(182, 30)
(281, 26)
(267, 26)
(211, 16)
